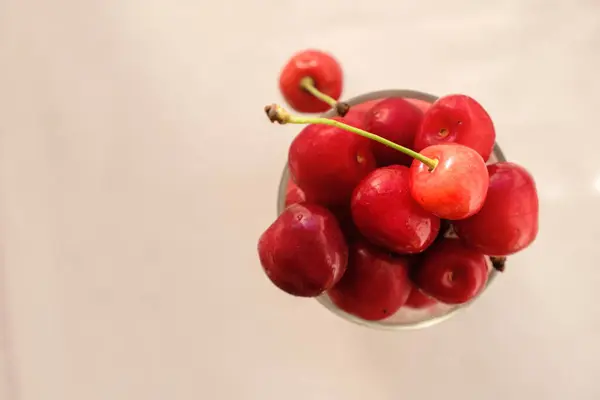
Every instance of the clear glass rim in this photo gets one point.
(410, 94)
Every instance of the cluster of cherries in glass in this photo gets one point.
(391, 203)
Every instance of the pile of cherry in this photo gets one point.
(391, 203)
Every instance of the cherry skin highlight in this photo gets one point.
(420, 104)
(293, 194)
(457, 186)
(397, 120)
(451, 272)
(375, 284)
(361, 110)
(355, 119)
(508, 221)
(327, 163)
(386, 214)
(324, 70)
(304, 252)
(457, 119)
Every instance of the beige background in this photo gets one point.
(137, 171)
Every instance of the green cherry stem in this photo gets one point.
(308, 84)
(278, 114)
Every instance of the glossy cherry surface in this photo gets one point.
(355, 119)
(418, 299)
(325, 72)
(451, 272)
(457, 119)
(293, 194)
(386, 214)
(361, 110)
(420, 104)
(304, 251)
(327, 163)
(375, 284)
(397, 120)
(508, 221)
(457, 186)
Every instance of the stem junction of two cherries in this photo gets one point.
(308, 84)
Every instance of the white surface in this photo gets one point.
(137, 171)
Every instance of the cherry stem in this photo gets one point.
(307, 83)
(499, 263)
(279, 114)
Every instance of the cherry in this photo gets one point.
(448, 180)
(420, 104)
(311, 82)
(508, 221)
(304, 252)
(375, 284)
(457, 119)
(361, 110)
(457, 186)
(397, 120)
(451, 272)
(293, 194)
(418, 299)
(386, 214)
(355, 119)
(327, 163)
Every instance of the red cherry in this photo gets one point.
(457, 186)
(375, 284)
(397, 120)
(420, 104)
(451, 272)
(327, 163)
(418, 299)
(457, 119)
(355, 119)
(360, 110)
(508, 221)
(304, 251)
(293, 194)
(325, 72)
(386, 214)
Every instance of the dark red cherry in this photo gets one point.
(375, 285)
(361, 110)
(397, 120)
(386, 214)
(508, 221)
(325, 72)
(451, 272)
(304, 252)
(327, 163)
(418, 299)
(457, 119)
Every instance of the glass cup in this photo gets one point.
(406, 318)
